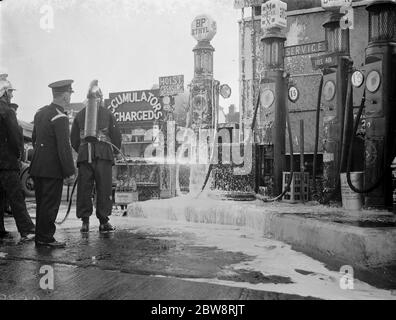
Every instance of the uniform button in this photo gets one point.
(41, 145)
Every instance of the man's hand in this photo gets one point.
(69, 181)
(119, 157)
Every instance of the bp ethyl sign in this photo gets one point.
(171, 85)
(203, 28)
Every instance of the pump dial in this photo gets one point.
(373, 81)
(267, 98)
(329, 90)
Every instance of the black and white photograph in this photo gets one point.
(197, 155)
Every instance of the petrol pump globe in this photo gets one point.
(337, 38)
(382, 20)
(274, 44)
(203, 59)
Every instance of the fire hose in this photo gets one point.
(343, 138)
(287, 188)
(349, 163)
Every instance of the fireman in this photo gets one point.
(94, 162)
(52, 161)
(11, 140)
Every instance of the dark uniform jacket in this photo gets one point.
(52, 157)
(10, 138)
(107, 127)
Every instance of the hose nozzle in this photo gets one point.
(94, 91)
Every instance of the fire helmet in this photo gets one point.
(5, 85)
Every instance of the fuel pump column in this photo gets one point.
(380, 105)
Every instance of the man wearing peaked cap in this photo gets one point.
(52, 161)
(62, 86)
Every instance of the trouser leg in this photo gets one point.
(38, 196)
(2, 209)
(49, 192)
(10, 182)
(104, 191)
(84, 190)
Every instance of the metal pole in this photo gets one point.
(253, 41)
(243, 76)
(302, 151)
(279, 133)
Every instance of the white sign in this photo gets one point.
(203, 28)
(273, 14)
(357, 79)
(348, 20)
(335, 4)
(225, 91)
(328, 157)
(294, 94)
(171, 85)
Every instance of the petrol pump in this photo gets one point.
(204, 93)
(273, 86)
(376, 83)
(336, 66)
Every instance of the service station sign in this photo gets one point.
(306, 49)
(136, 106)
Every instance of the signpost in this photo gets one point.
(171, 85)
(324, 61)
(306, 49)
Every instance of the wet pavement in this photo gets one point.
(149, 259)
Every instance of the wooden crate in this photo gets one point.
(299, 188)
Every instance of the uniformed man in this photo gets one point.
(4, 202)
(11, 140)
(52, 161)
(94, 162)
(15, 107)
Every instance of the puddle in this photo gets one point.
(368, 224)
(304, 272)
(255, 277)
(378, 222)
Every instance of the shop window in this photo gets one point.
(257, 10)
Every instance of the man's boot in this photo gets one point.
(85, 226)
(106, 228)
